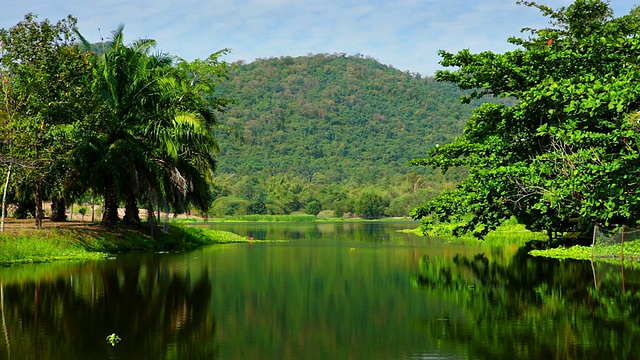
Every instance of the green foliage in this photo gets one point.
(344, 206)
(313, 207)
(113, 339)
(402, 205)
(257, 207)
(38, 247)
(331, 118)
(371, 205)
(127, 124)
(45, 94)
(577, 252)
(607, 253)
(564, 156)
(229, 205)
(322, 127)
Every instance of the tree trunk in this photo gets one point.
(110, 206)
(150, 219)
(58, 208)
(4, 198)
(38, 199)
(93, 207)
(131, 210)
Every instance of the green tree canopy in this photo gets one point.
(565, 156)
(45, 94)
(127, 124)
(153, 138)
(371, 205)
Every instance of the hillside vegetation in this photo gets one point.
(324, 129)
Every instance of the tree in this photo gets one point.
(45, 79)
(153, 138)
(565, 156)
(313, 207)
(371, 205)
(113, 156)
(185, 133)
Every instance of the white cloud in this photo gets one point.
(404, 33)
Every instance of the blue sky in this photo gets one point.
(406, 34)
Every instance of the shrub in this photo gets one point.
(371, 205)
(229, 205)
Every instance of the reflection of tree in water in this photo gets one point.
(158, 313)
(533, 308)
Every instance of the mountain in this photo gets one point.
(333, 119)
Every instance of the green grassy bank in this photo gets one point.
(613, 253)
(512, 233)
(509, 233)
(94, 242)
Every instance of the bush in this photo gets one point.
(343, 207)
(313, 207)
(371, 205)
(402, 205)
(229, 205)
(326, 214)
(273, 209)
(257, 207)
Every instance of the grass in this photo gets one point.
(607, 253)
(42, 246)
(509, 233)
(94, 242)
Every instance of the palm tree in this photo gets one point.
(153, 136)
(114, 150)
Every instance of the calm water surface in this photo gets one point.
(333, 291)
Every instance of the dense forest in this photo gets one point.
(318, 132)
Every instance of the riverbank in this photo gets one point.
(509, 233)
(612, 253)
(512, 233)
(84, 241)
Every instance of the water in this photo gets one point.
(334, 291)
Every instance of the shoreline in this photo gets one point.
(88, 241)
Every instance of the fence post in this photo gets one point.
(622, 244)
(593, 243)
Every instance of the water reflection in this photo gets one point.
(158, 310)
(335, 291)
(373, 232)
(534, 308)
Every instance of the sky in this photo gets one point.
(405, 34)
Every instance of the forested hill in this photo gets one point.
(333, 119)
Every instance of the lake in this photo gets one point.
(331, 291)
